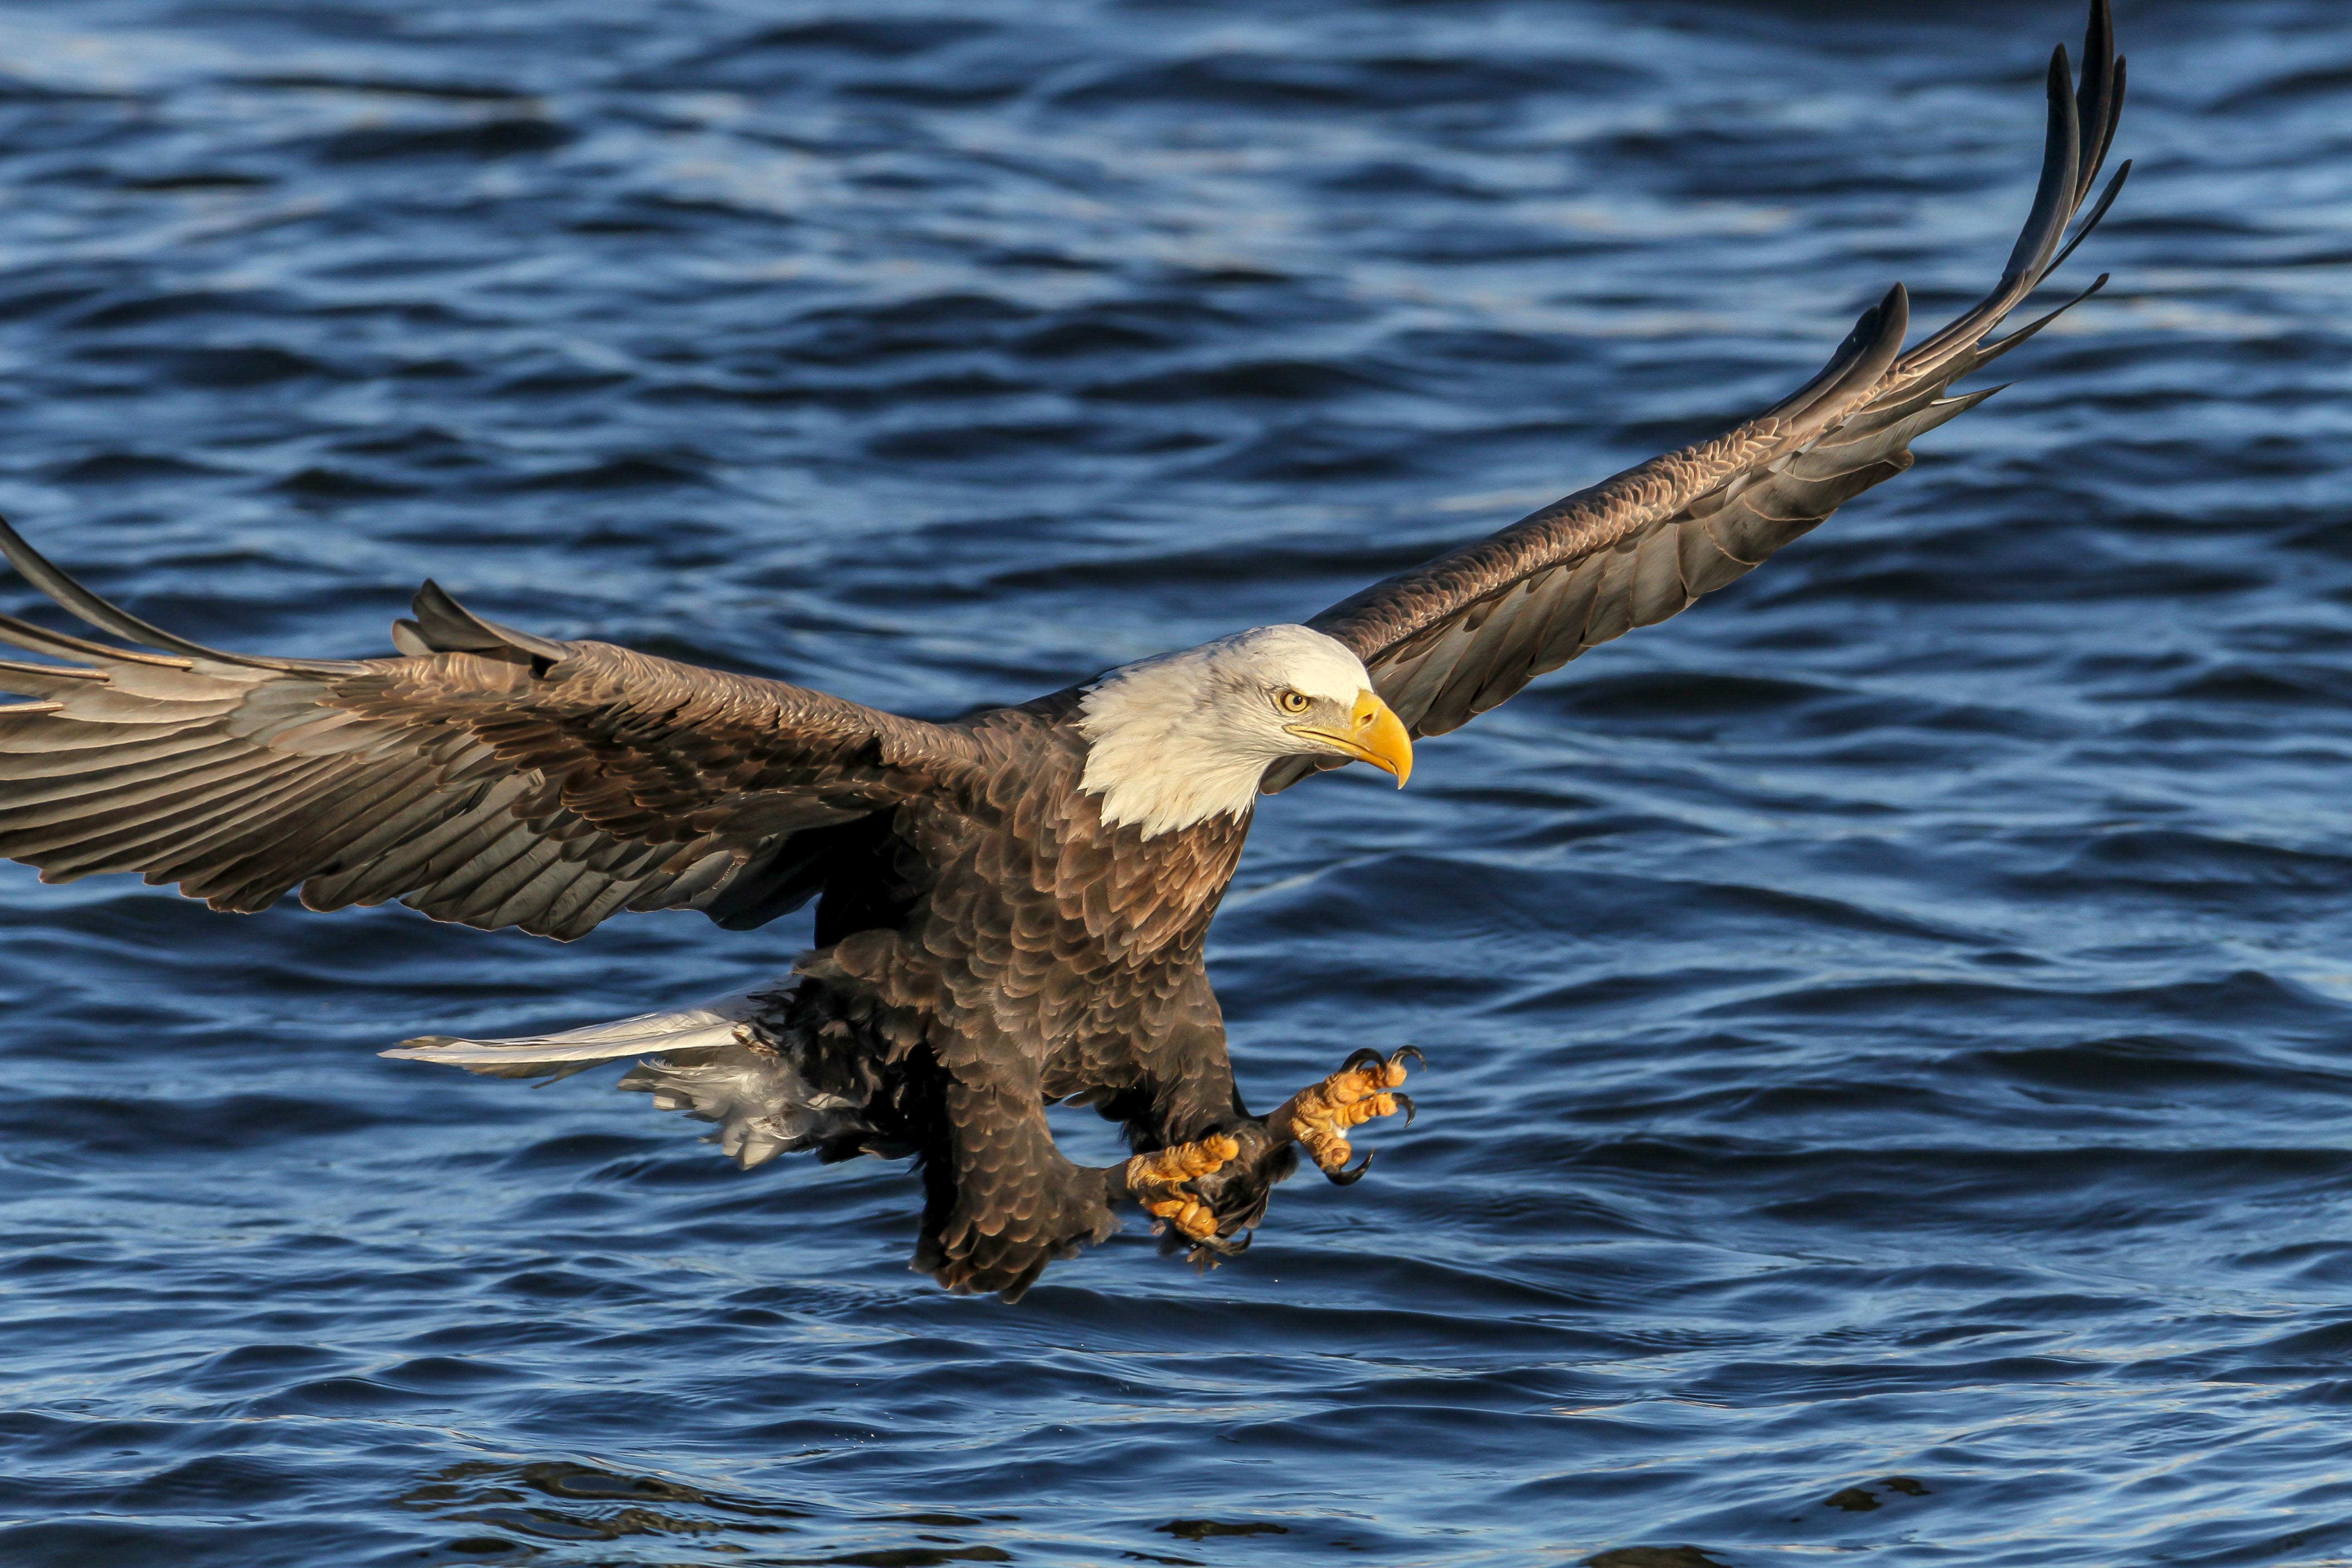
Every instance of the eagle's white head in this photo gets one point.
(1176, 739)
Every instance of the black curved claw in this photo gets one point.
(1363, 1057)
(1413, 1051)
(1406, 1102)
(1208, 1249)
(1350, 1176)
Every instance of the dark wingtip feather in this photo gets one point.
(2115, 118)
(35, 569)
(447, 626)
(2054, 199)
(2106, 200)
(2096, 97)
(1896, 303)
(1893, 313)
(1875, 341)
(1988, 352)
(64, 645)
(1822, 397)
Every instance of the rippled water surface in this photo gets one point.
(1890, 1028)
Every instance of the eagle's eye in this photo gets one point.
(1291, 701)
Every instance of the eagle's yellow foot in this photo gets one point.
(1157, 1181)
(1322, 1117)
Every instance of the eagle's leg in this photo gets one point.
(1321, 1116)
(1159, 1182)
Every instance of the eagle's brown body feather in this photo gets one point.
(1024, 953)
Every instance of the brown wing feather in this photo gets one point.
(489, 776)
(1462, 634)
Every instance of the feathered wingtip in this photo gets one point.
(1857, 365)
(2080, 128)
(442, 625)
(71, 596)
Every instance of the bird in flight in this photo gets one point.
(1010, 907)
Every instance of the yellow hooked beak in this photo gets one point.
(1375, 735)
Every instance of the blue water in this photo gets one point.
(1890, 1029)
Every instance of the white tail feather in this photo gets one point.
(710, 1062)
(762, 1106)
(695, 1029)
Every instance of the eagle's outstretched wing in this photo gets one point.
(1458, 636)
(486, 775)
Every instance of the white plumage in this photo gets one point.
(713, 1062)
(1178, 739)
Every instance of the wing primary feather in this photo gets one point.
(47, 674)
(2052, 199)
(215, 815)
(2114, 115)
(2094, 99)
(1869, 336)
(350, 814)
(1985, 353)
(40, 640)
(2106, 200)
(210, 832)
(119, 838)
(2037, 237)
(124, 785)
(1886, 322)
(37, 570)
(43, 754)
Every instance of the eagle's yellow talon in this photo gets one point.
(1155, 1180)
(1320, 1116)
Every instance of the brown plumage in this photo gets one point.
(1012, 907)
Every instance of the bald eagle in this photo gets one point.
(1010, 907)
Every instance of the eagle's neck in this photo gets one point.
(1160, 754)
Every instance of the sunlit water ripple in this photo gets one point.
(1891, 1028)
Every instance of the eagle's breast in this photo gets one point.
(1033, 925)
